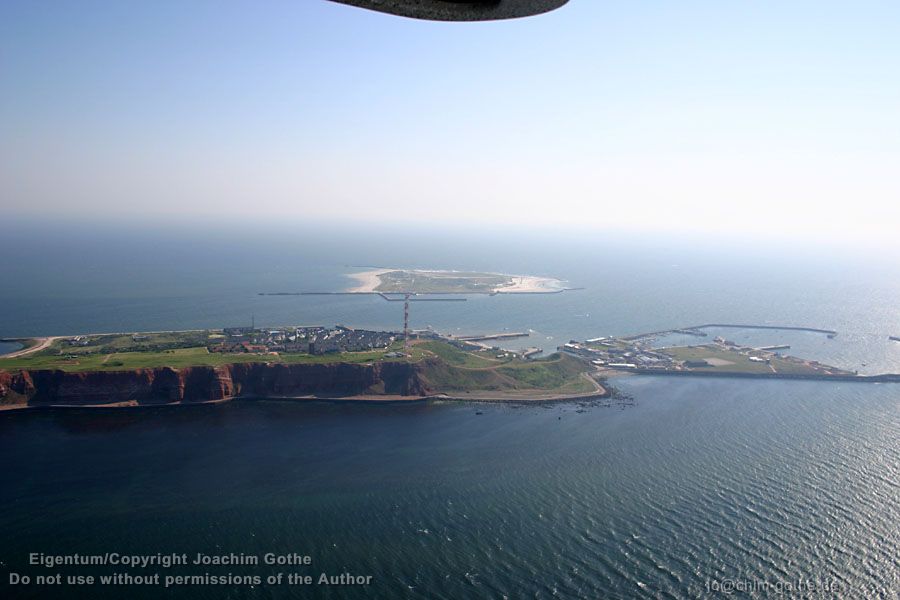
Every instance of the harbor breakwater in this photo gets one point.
(882, 378)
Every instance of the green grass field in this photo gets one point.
(461, 358)
(554, 372)
(182, 357)
(739, 362)
(557, 374)
(436, 282)
(116, 352)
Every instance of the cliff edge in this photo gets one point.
(167, 385)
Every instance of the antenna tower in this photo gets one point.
(406, 321)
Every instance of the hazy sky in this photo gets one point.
(765, 117)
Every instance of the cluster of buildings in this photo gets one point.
(629, 353)
(619, 354)
(79, 340)
(343, 339)
(311, 340)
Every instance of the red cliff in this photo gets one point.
(166, 385)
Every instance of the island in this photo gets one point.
(346, 364)
(412, 281)
(300, 363)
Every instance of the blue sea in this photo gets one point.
(697, 489)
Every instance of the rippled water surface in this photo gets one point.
(699, 481)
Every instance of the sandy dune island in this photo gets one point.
(450, 282)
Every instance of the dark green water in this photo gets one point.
(700, 481)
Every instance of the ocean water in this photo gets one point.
(767, 486)
(767, 483)
(7, 347)
(61, 281)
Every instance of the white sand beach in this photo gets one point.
(526, 284)
(367, 281)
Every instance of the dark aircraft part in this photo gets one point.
(459, 10)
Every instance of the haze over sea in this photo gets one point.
(700, 481)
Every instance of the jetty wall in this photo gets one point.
(882, 378)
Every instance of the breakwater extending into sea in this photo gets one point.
(882, 378)
(697, 329)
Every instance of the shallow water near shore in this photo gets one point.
(698, 481)
(7, 347)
